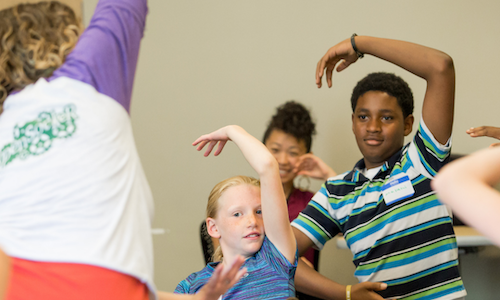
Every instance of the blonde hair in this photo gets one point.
(216, 193)
(34, 41)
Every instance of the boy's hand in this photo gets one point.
(218, 136)
(365, 291)
(312, 166)
(222, 280)
(342, 52)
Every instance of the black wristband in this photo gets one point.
(358, 53)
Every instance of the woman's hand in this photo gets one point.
(312, 166)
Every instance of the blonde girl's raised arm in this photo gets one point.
(274, 208)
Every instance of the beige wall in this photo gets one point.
(205, 64)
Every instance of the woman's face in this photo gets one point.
(286, 149)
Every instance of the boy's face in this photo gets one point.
(379, 127)
(239, 224)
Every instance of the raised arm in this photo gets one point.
(432, 65)
(107, 52)
(467, 186)
(274, 208)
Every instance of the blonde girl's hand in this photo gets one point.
(312, 166)
(217, 137)
(343, 53)
(223, 278)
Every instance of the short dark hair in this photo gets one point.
(389, 83)
(294, 119)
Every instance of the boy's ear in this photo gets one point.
(408, 124)
(212, 228)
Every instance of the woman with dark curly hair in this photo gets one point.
(289, 138)
(75, 206)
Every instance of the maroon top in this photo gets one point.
(297, 201)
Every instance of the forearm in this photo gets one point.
(257, 155)
(171, 296)
(310, 282)
(4, 273)
(422, 61)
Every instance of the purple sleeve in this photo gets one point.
(106, 53)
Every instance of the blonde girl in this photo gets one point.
(250, 219)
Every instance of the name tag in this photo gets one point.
(397, 189)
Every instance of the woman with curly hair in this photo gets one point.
(289, 138)
(75, 206)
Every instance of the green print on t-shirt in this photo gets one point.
(36, 137)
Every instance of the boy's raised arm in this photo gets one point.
(274, 208)
(430, 64)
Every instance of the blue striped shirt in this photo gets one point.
(269, 276)
(408, 243)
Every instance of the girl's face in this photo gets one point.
(239, 224)
(287, 150)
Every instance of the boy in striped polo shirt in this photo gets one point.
(398, 231)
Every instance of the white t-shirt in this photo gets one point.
(72, 185)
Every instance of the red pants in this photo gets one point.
(69, 281)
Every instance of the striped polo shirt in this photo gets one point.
(396, 228)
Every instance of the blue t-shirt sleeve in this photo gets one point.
(276, 259)
(182, 288)
(106, 53)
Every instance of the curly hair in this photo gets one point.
(34, 41)
(389, 83)
(294, 119)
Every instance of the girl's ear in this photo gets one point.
(212, 228)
